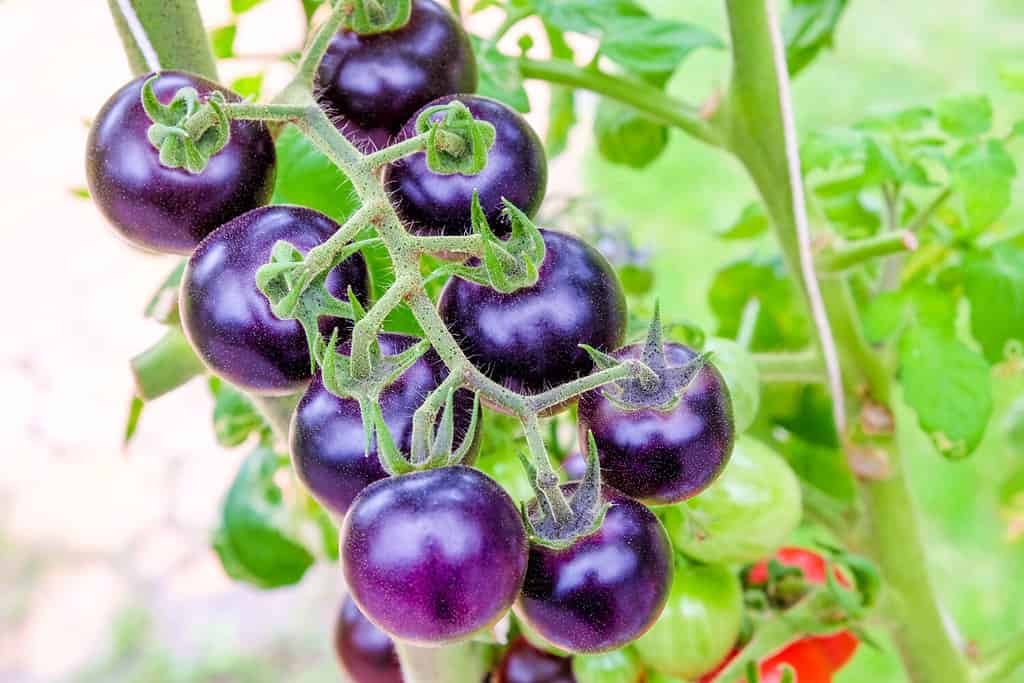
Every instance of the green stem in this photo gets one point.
(165, 366)
(847, 255)
(425, 415)
(395, 152)
(757, 136)
(1003, 662)
(164, 34)
(314, 52)
(543, 402)
(468, 245)
(925, 215)
(365, 331)
(791, 366)
(547, 479)
(642, 96)
(459, 663)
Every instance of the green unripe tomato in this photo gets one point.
(700, 624)
(617, 666)
(627, 138)
(741, 376)
(746, 515)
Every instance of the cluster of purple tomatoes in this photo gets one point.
(436, 556)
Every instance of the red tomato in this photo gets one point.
(837, 648)
(805, 656)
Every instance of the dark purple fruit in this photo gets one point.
(171, 209)
(327, 441)
(516, 170)
(433, 557)
(376, 82)
(523, 663)
(663, 456)
(606, 589)
(366, 653)
(228, 320)
(529, 340)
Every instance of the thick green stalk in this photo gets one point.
(754, 127)
(460, 663)
(164, 34)
(165, 366)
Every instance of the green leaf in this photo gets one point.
(562, 109)
(809, 28)
(884, 316)
(499, 76)
(828, 148)
(222, 40)
(949, 386)
(234, 416)
(781, 321)
(131, 423)
(902, 121)
(881, 164)
(645, 45)
(752, 222)
(983, 174)
(965, 116)
(636, 280)
(994, 282)
(242, 6)
(255, 541)
(248, 86)
(627, 138)
(309, 7)
(308, 178)
(586, 16)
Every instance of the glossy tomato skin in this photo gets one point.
(529, 340)
(433, 557)
(700, 623)
(523, 663)
(171, 209)
(376, 82)
(516, 169)
(366, 653)
(747, 513)
(327, 438)
(606, 589)
(838, 648)
(228, 320)
(662, 456)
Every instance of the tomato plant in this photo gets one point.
(364, 273)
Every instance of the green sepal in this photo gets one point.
(369, 17)
(169, 133)
(507, 265)
(444, 437)
(458, 456)
(602, 360)
(391, 459)
(456, 143)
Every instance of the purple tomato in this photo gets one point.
(662, 456)
(228, 320)
(171, 209)
(516, 170)
(327, 441)
(435, 556)
(376, 82)
(606, 589)
(523, 663)
(529, 340)
(366, 653)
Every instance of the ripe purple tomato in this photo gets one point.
(433, 557)
(516, 170)
(529, 340)
(662, 456)
(523, 663)
(366, 653)
(228, 320)
(606, 589)
(376, 82)
(171, 209)
(327, 440)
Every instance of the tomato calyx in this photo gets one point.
(456, 142)
(656, 384)
(368, 17)
(587, 505)
(186, 131)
